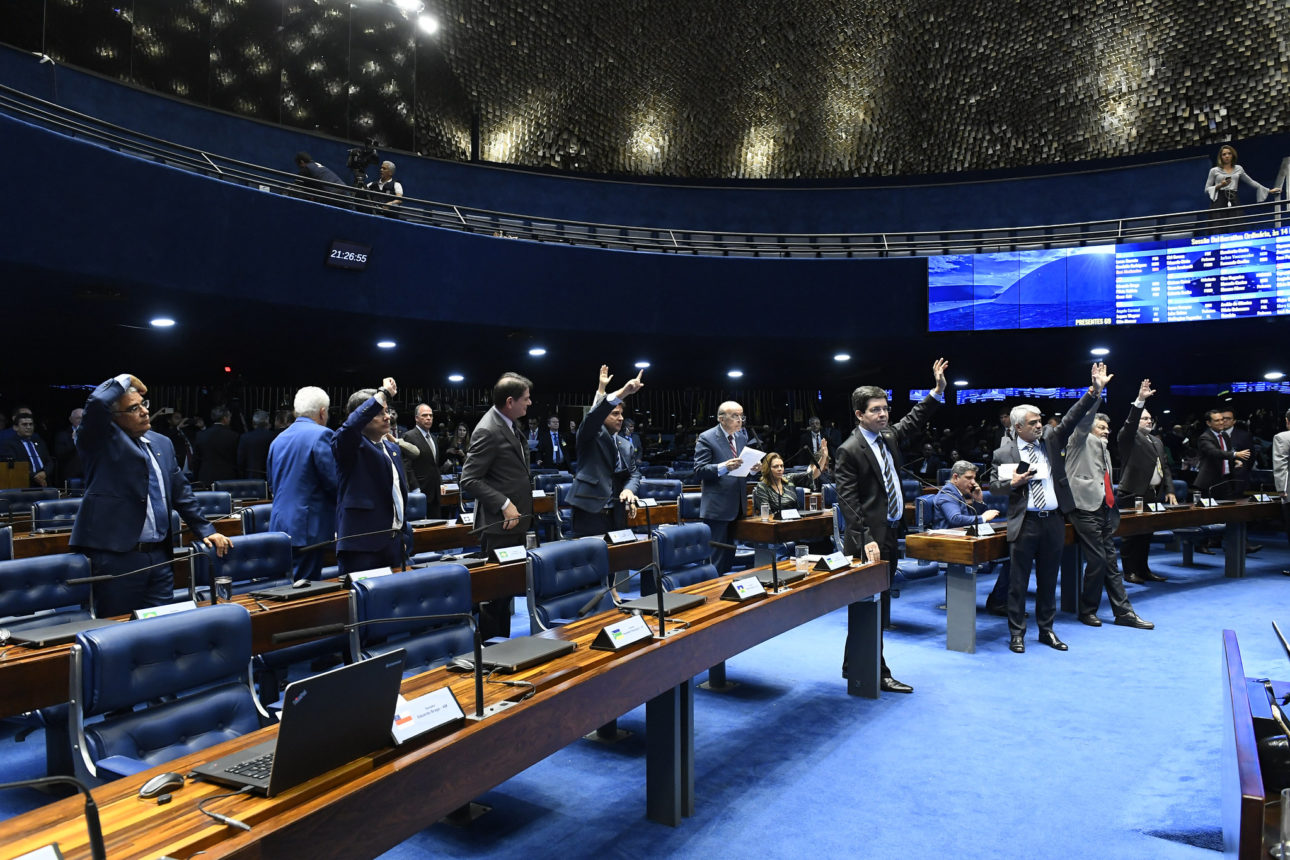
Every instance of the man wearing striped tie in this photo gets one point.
(867, 466)
(1031, 470)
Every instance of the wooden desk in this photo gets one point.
(354, 811)
(766, 534)
(662, 514)
(38, 678)
(1251, 820)
(964, 556)
(28, 545)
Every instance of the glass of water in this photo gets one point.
(765, 511)
(800, 551)
(223, 589)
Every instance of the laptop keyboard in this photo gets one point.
(256, 768)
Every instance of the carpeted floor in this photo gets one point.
(1110, 749)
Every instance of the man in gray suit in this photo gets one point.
(423, 469)
(1095, 518)
(607, 480)
(496, 473)
(1029, 467)
(1281, 473)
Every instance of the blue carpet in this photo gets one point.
(1111, 749)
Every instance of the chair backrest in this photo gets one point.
(655, 471)
(996, 502)
(255, 519)
(909, 488)
(214, 503)
(19, 501)
(562, 491)
(925, 510)
(436, 590)
(689, 506)
(39, 584)
(665, 490)
(1181, 491)
(830, 494)
(243, 488)
(943, 475)
(562, 577)
(546, 481)
(262, 559)
(6, 543)
(52, 513)
(197, 663)
(416, 506)
(684, 556)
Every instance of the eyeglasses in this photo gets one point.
(133, 410)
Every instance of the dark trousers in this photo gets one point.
(495, 615)
(602, 521)
(1039, 544)
(122, 596)
(306, 565)
(723, 559)
(888, 547)
(1093, 531)
(1134, 549)
(999, 594)
(352, 561)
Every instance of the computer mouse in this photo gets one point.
(161, 784)
(300, 583)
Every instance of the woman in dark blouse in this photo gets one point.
(779, 490)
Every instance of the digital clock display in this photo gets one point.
(344, 254)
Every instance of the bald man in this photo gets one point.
(716, 454)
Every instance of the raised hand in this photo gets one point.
(388, 384)
(1100, 376)
(633, 385)
(605, 377)
(1145, 390)
(938, 372)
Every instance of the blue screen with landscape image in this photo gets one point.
(1174, 280)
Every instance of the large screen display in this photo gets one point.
(1176, 280)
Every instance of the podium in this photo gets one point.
(15, 475)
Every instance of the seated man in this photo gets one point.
(961, 502)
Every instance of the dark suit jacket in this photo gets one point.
(1139, 452)
(423, 471)
(365, 497)
(1054, 440)
(497, 469)
(302, 476)
(253, 452)
(861, 489)
(593, 486)
(723, 497)
(14, 447)
(546, 453)
(113, 511)
(215, 450)
(69, 461)
(1210, 472)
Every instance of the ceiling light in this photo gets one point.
(428, 24)
(1099, 351)
(537, 350)
(455, 377)
(641, 365)
(734, 374)
(162, 322)
(960, 382)
(842, 356)
(1270, 375)
(386, 344)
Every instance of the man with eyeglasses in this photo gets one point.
(717, 454)
(1146, 474)
(26, 446)
(1030, 468)
(132, 482)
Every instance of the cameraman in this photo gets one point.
(317, 178)
(385, 192)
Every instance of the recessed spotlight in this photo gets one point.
(1227, 400)
(1271, 374)
(734, 374)
(455, 377)
(1099, 351)
(537, 350)
(960, 382)
(642, 364)
(386, 344)
(842, 356)
(162, 322)
(1166, 412)
(428, 24)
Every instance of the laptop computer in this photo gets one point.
(673, 602)
(327, 721)
(56, 634)
(518, 654)
(293, 592)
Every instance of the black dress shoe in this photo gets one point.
(1090, 618)
(891, 685)
(1285, 571)
(1154, 577)
(1049, 638)
(1017, 644)
(1135, 578)
(1252, 548)
(1132, 620)
(1203, 550)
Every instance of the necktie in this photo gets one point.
(1106, 481)
(555, 446)
(156, 515)
(394, 487)
(730, 437)
(34, 456)
(889, 482)
(1037, 499)
(815, 443)
(619, 466)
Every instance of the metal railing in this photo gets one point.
(668, 240)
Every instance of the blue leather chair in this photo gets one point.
(196, 663)
(243, 488)
(829, 492)
(417, 506)
(925, 512)
(254, 561)
(214, 503)
(255, 519)
(562, 577)
(547, 481)
(689, 503)
(654, 471)
(16, 502)
(6, 543)
(34, 591)
(436, 590)
(684, 557)
(665, 490)
(54, 513)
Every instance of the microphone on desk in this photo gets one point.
(1212, 487)
(333, 629)
(658, 591)
(919, 478)
(97, 850)
(774, 562)
(105, 577)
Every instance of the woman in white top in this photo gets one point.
(1221, 186)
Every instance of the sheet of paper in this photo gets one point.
(949, 532)
(750, 457)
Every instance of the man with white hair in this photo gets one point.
(386, 192)
(1029, 467)
(716, 454)
(302, 478)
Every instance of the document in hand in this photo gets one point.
(750, 457)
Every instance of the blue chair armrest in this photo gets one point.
(117, 766)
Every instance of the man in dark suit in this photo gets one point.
(867, 467)
(1223, 462)
(553, 448)
(724, 496)
(496, 473)
(132, 481)
(1145, 474)
(302, 477)
(26, 446)
(810, 439)
(253, 447)
(423, 470)
(607, 479)
(215, 449)
(1028, 466)
(372, 491)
